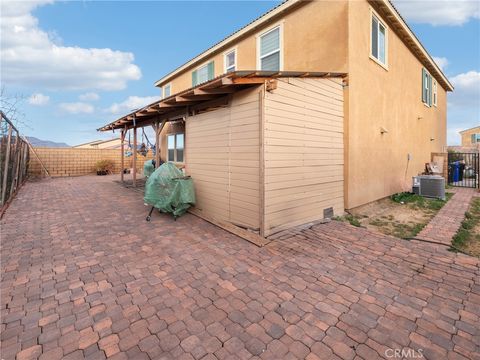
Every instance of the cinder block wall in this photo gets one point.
(77, 162)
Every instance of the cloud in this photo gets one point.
(31, 56)
(90, 96)
(463, 104)
(76, 108)
(439, 12)
(131, 103)
(467, 89)
(442, 62)
(38, 99)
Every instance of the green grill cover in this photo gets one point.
(168, 190)
(148, 168)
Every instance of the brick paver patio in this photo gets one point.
(446, 223)
(84, 276)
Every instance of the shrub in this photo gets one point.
(105, 165)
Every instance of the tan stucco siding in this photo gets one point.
(467, 136)
(303, 151)
(222, 156)
(314, 38)
(377, 164)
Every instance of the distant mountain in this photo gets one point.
(45, 143)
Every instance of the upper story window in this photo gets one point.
(378, 41)
(435, 96)
(167, 90)
(203, 73)
(427, 87)
(230, 60)
(475, 138)
(175, 147)
(269, 46)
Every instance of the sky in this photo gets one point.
(74, 66)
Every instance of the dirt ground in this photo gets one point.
(393, 218)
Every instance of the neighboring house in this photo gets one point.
(347, 107)
(471, 137)
(101, 144)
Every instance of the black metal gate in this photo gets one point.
(463, 169)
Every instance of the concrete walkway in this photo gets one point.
(84, 276)
(446, 223)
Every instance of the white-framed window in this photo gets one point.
(230, 60)
(427, 87)
(378, 40)
(161, 93)
(175, 143)
(435, 96)
(269, 50)
(475, 138)
(203, 73)
(167, 90)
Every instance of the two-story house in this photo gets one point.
(470, 137)
(357, 108)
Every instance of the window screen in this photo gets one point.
(379, 40)
(270, 50)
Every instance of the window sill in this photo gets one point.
(378, 62)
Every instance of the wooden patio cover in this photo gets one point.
(203, 97)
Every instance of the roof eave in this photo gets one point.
(415, 41)
(286, 5)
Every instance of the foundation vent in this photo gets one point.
(328, 213)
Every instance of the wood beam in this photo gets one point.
(243, 233)
(218, 82)
(176, 105)
(226, 90)
(134, 177)
(250, 80)
(158, 143)
(221, 101)
(183, 98)
(122, 161)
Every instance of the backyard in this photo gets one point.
(85, 276)
(467, 238)
(402, 215)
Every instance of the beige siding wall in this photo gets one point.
(303, 151)
(314, 38)
(377, 164)
(222, 156)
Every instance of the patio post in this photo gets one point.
(122, 149)
(134, 156)
(157, 143)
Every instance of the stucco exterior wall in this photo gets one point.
(467, 136)
(314, 38)
(378, 165)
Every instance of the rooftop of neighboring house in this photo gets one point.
(96, 143)
(470, 129)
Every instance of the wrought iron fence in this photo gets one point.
(464, 169)
(14, 156)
